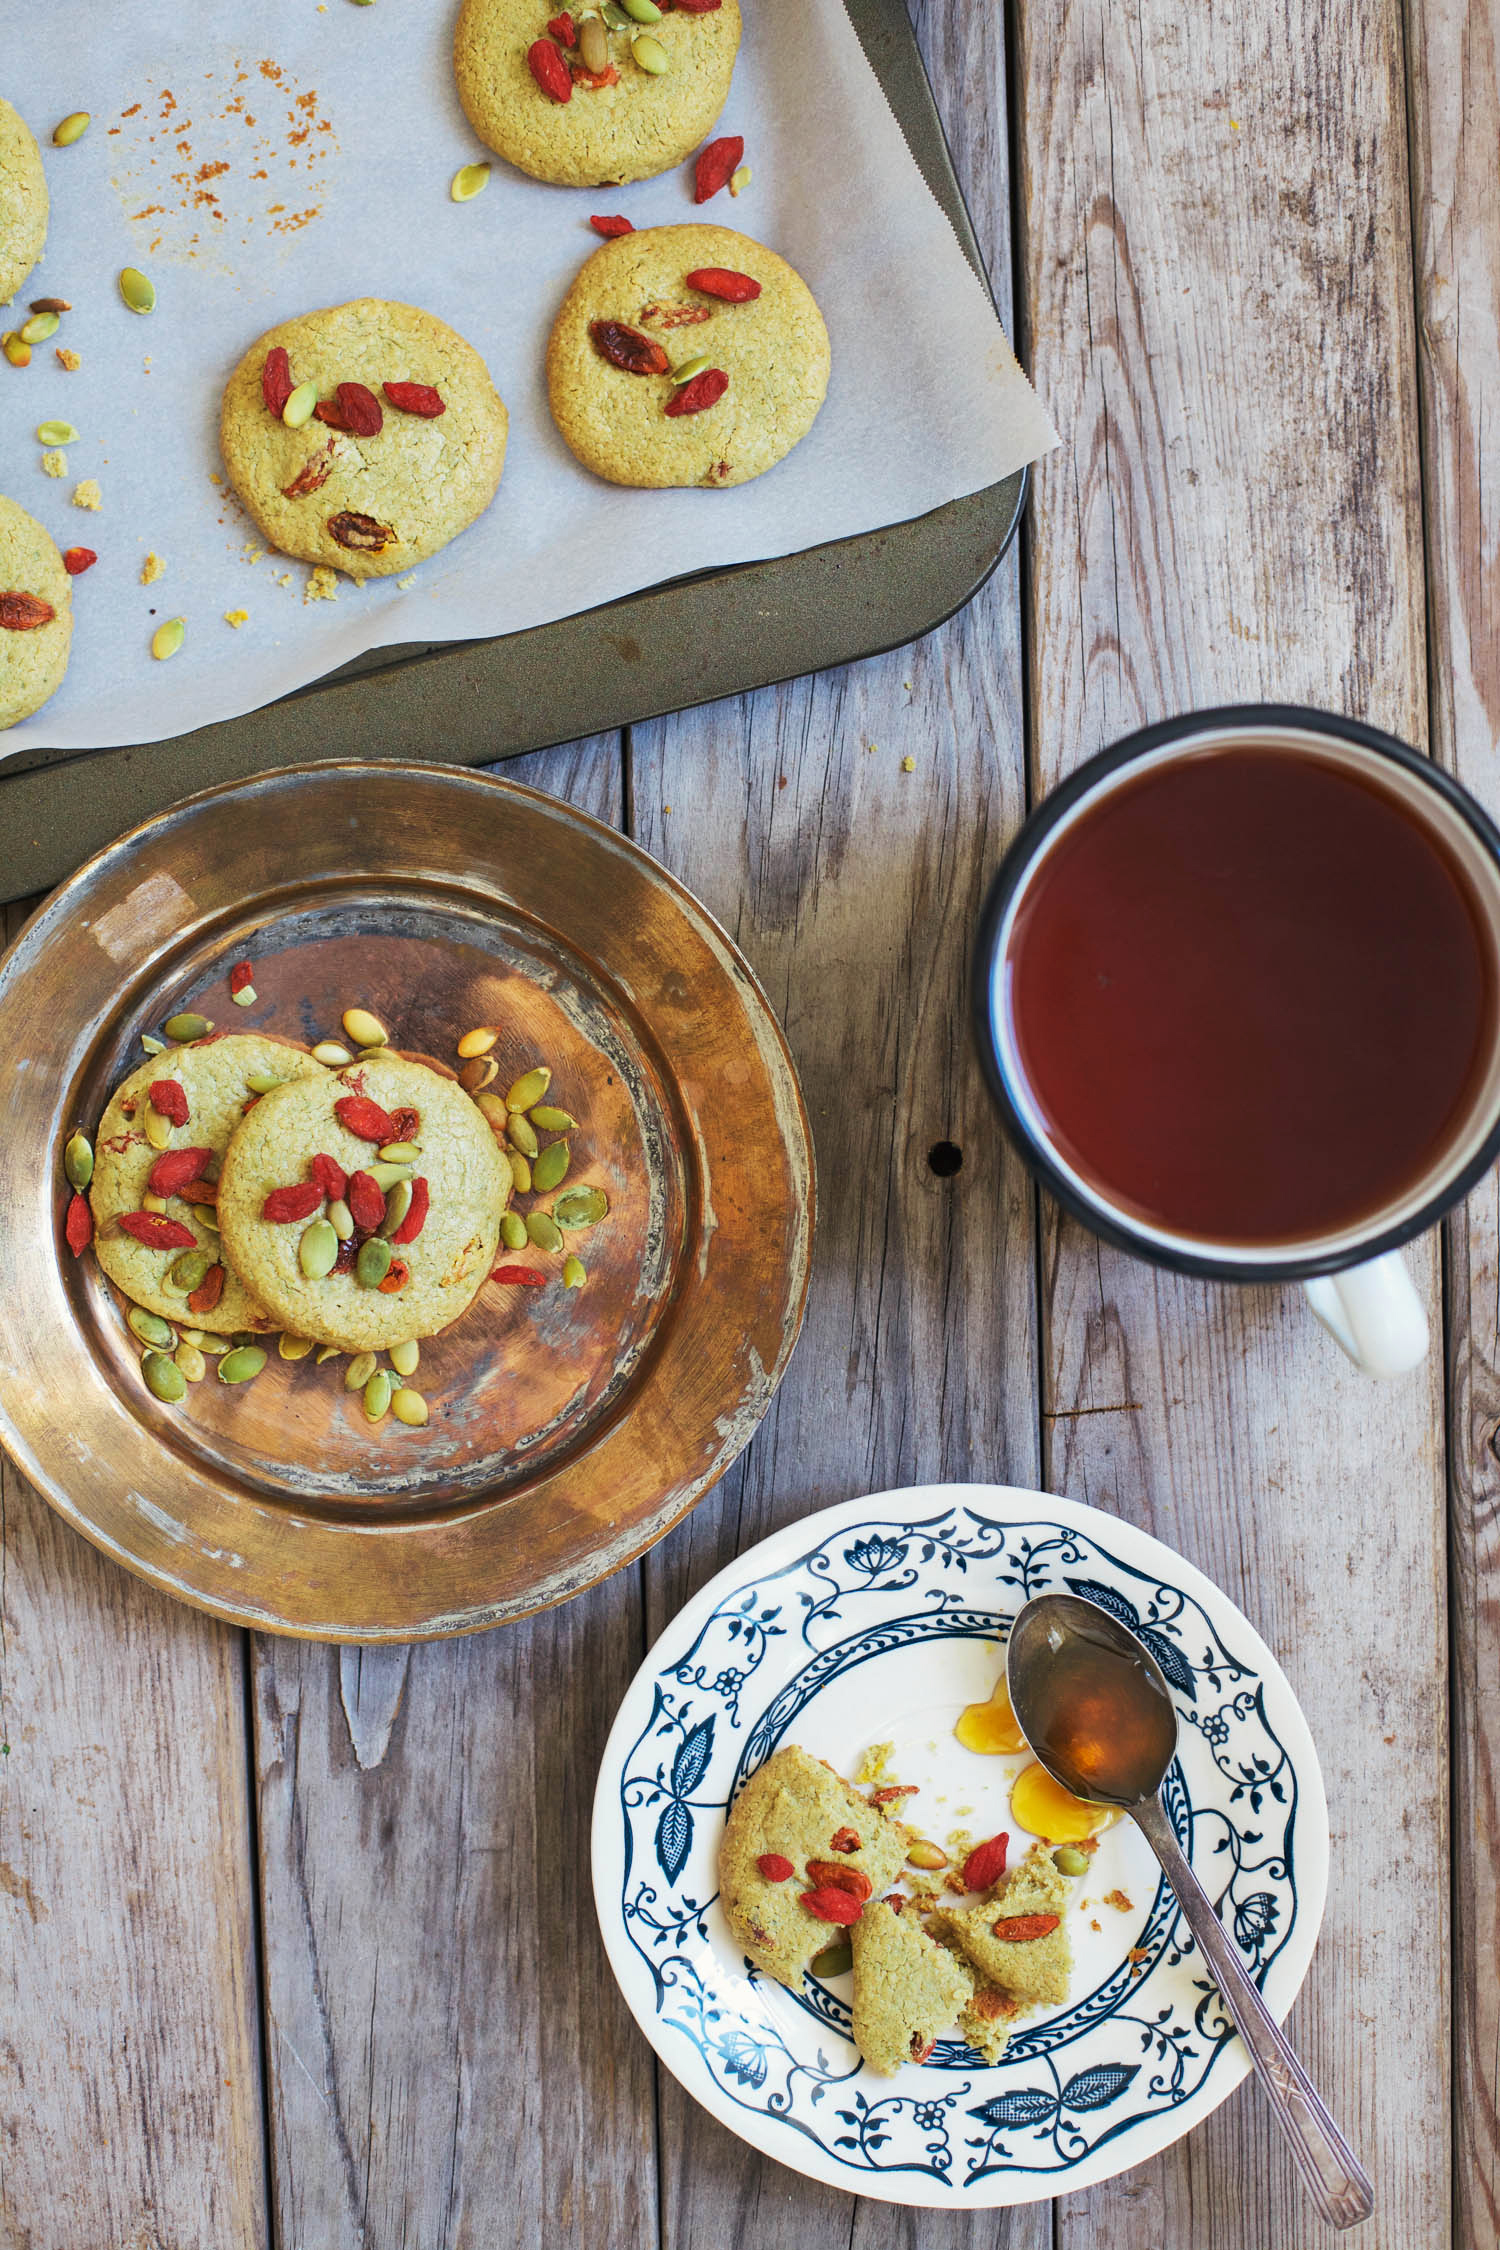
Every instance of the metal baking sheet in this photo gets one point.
(688, 641)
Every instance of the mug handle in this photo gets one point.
(1374, 1313)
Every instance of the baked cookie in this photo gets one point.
(311, 1145)
(795, 1811)
(985, 2023)
(906, 1989)
(1032, 1970)
(650, 302)
(404, 451)
(631, 126)
(23, 202)
(36, 615)
(213, 1079)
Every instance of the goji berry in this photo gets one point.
(76, 560)
(776, 1867)
(240, 975)
(173, 1169)
(168, 1097)
(1020, 1929)
(833, 1906)
(715, 164)
(607, 224)
(627, 349)
(276, 379)
(348, 1253)
(366, 1201)
(361, 410)
(78, 1227)
(844, 1840)
(824, 1875)
(700, 7)
(365, 1119)
(208, 1292)
(704, 390)
(986, 1863)
(526, 1277)
(561, 27)
(329, 412)
(723, 282)
(22, 613)
(595, 79)
(330, 1176)
(550, 71)
(200, 1191)
(298, 1201)
(363, 533)
(405, 1124)
(398, 1274)
(416, 1213)
(897, 1789)
(415, 398)
(920, 2054)
(156, 1232)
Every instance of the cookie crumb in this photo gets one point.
(908, 765)
(67, 359)
(409, 580)
(151, 569)
(871, 748)
(55, 464)
(235, 616)
(214, 477)
(88, 495)
(1118, 1900)
(285, 579)
(666, 809)
(252, 553)
(875, 1762)
(322, 585)
(1096, 1927)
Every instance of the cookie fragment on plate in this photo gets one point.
(1028, 1969)
(907, 1990)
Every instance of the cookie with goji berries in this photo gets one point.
(201, 1093)
(907, 1991)
(1018, 1939)
(401, 451)
(23, 202)
(36, 615)
(793, 1822)
(438, 1208)
(522, 78)
(646, 306)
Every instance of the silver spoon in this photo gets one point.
(1094, 1708)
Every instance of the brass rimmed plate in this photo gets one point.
(569, 1428)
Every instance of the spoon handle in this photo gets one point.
(1334, 2176)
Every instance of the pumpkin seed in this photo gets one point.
(186, 1273)
(138, 293)
(553, 1120)
(493, 1110)
(404, 1356)
(192, 1336)
(191, 1362)
(50, 433)
(377, 1395)
(397, 1204)
(153, 1046)
(409, 1407)
(541, 1231)
(72, 128)
(164, 1380)
(318, 1250)
(400, 1152)
(36, 331)
(262, 1081)
(181, 1029)
(641, 11)
(520, 1173)
(478, 1041)
(925, 1854)
(340, 1218)
(580, 1207)
(16, 352)
(1068, 1860)
(295, 1347)
(243, 1364)
(529, 1088)
(206, 1216)
(215, 1346)
(158, 1129)
(649, 53)
(513, 1230)
(330, 1052)
(385, 1176)
(482, 1071)
(370, 1054)
(614, 15)
(363, 1028)
(521, 1134)
(298, 409)
(328, 1352)
(835, 1960)
(156, 1203)
(593, 45)
(575, 1273)
(551, 1167)
(359, 1371)
(688, 368)
(739, 180)
(151, 1328)
(374, 1262)
(245, 1337)
(246, 997)
(78, 1161)
(167, 639)
(468, 181)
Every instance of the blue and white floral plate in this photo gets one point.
(877, 1622)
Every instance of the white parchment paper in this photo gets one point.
(264, 159)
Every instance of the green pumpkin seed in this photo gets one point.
(151, 1328)
(330, 1052)
(835, 1960)
(158, 1129)
(199, 1337)
(405, 1355)
(72, 128)
(575, 1273)
(377, 1395)
(650, 54)
(513, 1230)
(363, 1028)
(186, 1027)
(409, 1407)
(318, 1250)
(374, 1262)
(686, 369)
(187, 1272)
(206, 1216)
(468, 181)
(164, 1380)
(359, 1371)
(521, 1134)
(295, 1347)
(78, 1161)
(328, 1352)
(385, 1176)
(138, 293)
(37, 330)
(529, 1088)
(1070, 1861)
(245, 1337)
(243, 1364)
(641, 11)
(153, 1046)
(400, 1152)
(50, 433)
(263, 1081)
(553, 1120)
(551, 1167)
(580, 1207)
(541, 1231)
(397, 1204)
(739, 180)
(246, 997)
(520, 1172)
(340, 1218)
(614, 15)
(167, 639)
(493, 1110)
(298, 409)
(191, 1362)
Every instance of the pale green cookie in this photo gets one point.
(907, 1991)
(33, 658)
(468, 1184)
(1032, 1970)
(215, 1079)
(23, 202)
(774, 351)
(415, 485)
(630, 130)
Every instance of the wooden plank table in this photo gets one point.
(297, 1946)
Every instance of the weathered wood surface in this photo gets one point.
(1218, 289)
(1454, 62)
